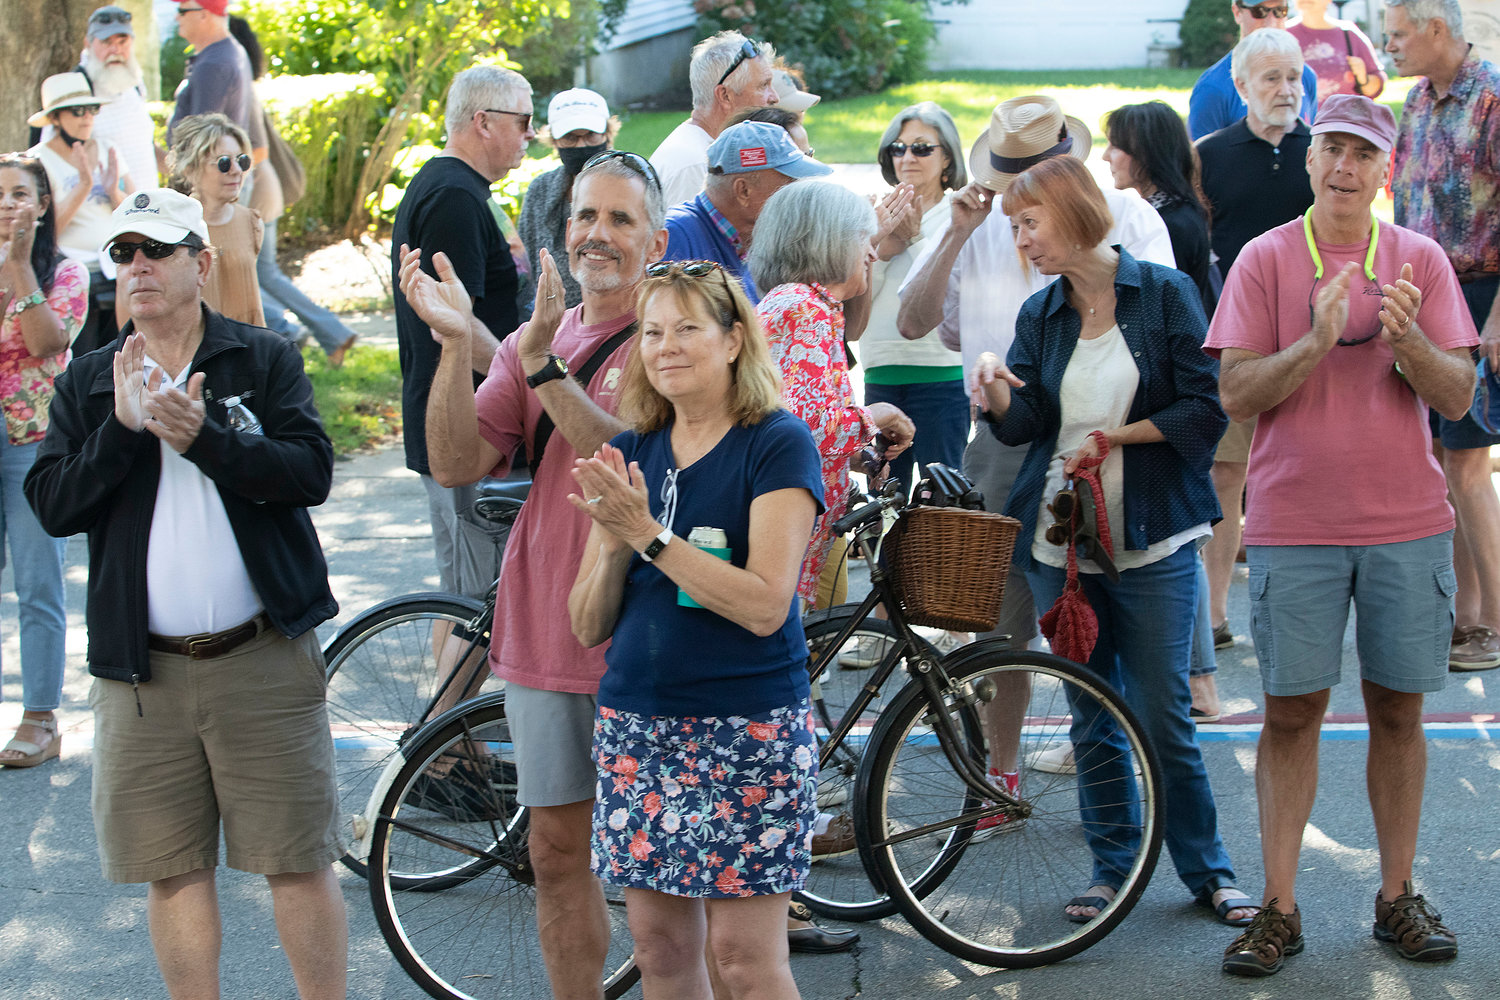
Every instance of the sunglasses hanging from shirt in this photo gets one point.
(1317, 259)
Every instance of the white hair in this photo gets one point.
(1422, 11)
(712, 58)
(478, 88)
(810, 231)
(1265, 42)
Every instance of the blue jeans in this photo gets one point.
(1145, 639)
(38, 566)
(940, 412)
(278, 294)
(1204, 661)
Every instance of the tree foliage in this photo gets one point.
(1207, 32)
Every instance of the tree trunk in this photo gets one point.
(39, 39)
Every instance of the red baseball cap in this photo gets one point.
(219, 7)
(1357, 115)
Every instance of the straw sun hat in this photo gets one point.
(1023, 132)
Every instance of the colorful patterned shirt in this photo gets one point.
(26, 381)
(805, 328)
(1447, 173)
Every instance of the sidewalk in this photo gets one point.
(66, 933)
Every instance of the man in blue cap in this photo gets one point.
(747, 164)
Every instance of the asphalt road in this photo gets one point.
(67, 933)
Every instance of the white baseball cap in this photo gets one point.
(575, 109)
(159, 214)
(790, 96)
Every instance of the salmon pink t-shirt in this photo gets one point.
(533, 641)
(1346, 459)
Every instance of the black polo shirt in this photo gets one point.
(1251, 185)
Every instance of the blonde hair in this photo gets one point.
(194, 139)
(755, 381)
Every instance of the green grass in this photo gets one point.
(360, 402)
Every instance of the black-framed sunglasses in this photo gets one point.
(1064, 508)
(1261, 11)
(83, 110)
(122, 252)
(748, 50)
(918, 149)
(635, 161)
(226, 161)
(525, 116)
(1312, 297)
(112, 17)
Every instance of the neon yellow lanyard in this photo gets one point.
(1317, 258)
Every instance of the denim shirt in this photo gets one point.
(1167, 485)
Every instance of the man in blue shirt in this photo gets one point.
(1215, 102)
(747, 164)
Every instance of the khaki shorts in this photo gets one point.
(1234, 446)
(241, 739)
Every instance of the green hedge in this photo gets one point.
(1207, 32)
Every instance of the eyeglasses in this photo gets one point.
(691, 268)
(748, 50)
(187, 10)
(1261, 11)
(1341, 342)
(525, 116)
(226, 161)
(669, 498)
(112, 17)
(635, 161)
(83, 111)
(918, 149)
(123, 253)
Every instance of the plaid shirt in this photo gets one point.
(1447, 166)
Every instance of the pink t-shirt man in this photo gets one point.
(534, 643)
(1346, 459)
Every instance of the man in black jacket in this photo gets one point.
(190, 451)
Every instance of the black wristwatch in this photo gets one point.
(555, 368)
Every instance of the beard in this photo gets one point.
(111, 79)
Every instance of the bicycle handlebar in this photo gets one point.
(864, 513)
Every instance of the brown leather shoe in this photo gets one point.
(837, 840)
(1267, 943)
(1415, 929)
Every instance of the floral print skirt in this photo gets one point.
(705, 807)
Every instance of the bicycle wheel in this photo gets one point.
(996, 897)
(477, 938)
(839, 887)
(382, 674)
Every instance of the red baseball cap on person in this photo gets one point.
(219, 7)
(1357, 115)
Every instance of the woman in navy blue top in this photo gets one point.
(1114, 350)
(706, 799)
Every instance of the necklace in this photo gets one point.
(1092, 309)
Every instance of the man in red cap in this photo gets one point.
(218, 74)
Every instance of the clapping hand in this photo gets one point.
(443, 302)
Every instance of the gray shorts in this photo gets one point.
(553, 733)
(993, 467)
(466, 559)
(1403, 601)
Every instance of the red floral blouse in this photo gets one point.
(25, 381)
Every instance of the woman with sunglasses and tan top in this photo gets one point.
(211, 154)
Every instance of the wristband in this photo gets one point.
(25, 302)
(653, 549)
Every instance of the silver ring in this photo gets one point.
(551, 297)
(595, 500)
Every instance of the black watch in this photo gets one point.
(555, 368)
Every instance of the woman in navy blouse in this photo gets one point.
(706, 798)
(1114, 350)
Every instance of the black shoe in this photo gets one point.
(817, 940)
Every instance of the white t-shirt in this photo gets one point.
(989, 283)
(90, 224)
(196, 580)
(882, 343)
(681, 162)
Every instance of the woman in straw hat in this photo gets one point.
(1107, 373)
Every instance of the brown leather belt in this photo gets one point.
(1469, 277)
(208, 645)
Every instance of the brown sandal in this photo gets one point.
(33, 754)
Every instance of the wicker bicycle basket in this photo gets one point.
(947, 566)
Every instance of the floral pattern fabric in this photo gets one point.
(805, 327)
(705, 807)
(25, 381)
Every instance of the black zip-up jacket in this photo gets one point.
(92, 474)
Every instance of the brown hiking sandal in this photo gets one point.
(1270, 940)
(1414, 928)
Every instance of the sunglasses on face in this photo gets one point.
(748, 50)
(187, 10)
(86, 111)
(635, 161)
(1261, 11)
(123, 253)
(226, 161)
(918, 149)
(525, 116)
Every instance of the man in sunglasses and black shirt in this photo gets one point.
(1214, 102)
(190, 455)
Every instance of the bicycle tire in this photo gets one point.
(381, 675)
(477, 938)
(841, 888)
(997, 898)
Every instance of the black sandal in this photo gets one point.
(1205, 899)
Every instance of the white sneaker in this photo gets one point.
(867, 652)
(831, 795)
(1055, 760)
(947, 642)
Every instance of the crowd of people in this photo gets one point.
(1219, 328)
